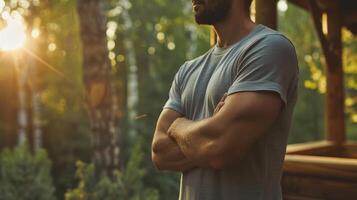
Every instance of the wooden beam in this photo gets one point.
(266, 13)
(350, 18)
(343, 168)
(317, 19)
(312, 148)
(332, 48)
(320, 177)
(316, 188)
(335, 96)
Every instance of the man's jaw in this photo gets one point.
(197, 4)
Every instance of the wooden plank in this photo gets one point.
(312, 148)
(351, 150)
(324, 148)
(318, 188)
(295, 197)
(334, 168)
(266, 13)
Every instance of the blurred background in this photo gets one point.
(82, 84)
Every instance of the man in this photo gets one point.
(226, 123)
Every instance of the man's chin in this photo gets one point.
(202, 21)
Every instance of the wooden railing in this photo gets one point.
(315, 171)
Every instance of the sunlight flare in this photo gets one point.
(2, 5)
(282, 5)
(13, 35)
(35, 33)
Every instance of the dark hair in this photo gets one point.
(247, 4)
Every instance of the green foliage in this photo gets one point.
(24, 176)
(126, 185)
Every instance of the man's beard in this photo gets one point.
(215, 14)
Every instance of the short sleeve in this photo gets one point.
(174, 101)
(268, 65)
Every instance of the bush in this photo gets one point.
(124, 186)
(25, 176)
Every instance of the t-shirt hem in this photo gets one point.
(173, 106)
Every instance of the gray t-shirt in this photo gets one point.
(264, 60)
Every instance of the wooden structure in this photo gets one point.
(326, 169)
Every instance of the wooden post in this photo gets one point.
(335, 100)
(266, 13)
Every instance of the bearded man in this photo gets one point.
(227, 119)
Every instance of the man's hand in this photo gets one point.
(166, 154)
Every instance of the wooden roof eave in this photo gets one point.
(349, 18)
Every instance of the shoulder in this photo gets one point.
(265, 41)
(278, 42)
(271, 46)
(273, 41)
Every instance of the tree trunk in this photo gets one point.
(23, 117)
(132, 81)
(9, 102)
(100, 95)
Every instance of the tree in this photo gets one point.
(101, 97)
(24, 175)
(127, 185)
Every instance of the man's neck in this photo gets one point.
(236, 26)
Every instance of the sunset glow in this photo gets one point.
(12, 36)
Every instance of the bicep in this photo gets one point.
(271, 65)
(245, 117)
(262, 106)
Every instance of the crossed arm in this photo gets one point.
(166, 154)
(216, 142)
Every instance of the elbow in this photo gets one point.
(156, 151)
(155, 148)
(155, 158)
(156, 162)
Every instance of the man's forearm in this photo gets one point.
(167, 155)
(194, 138)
